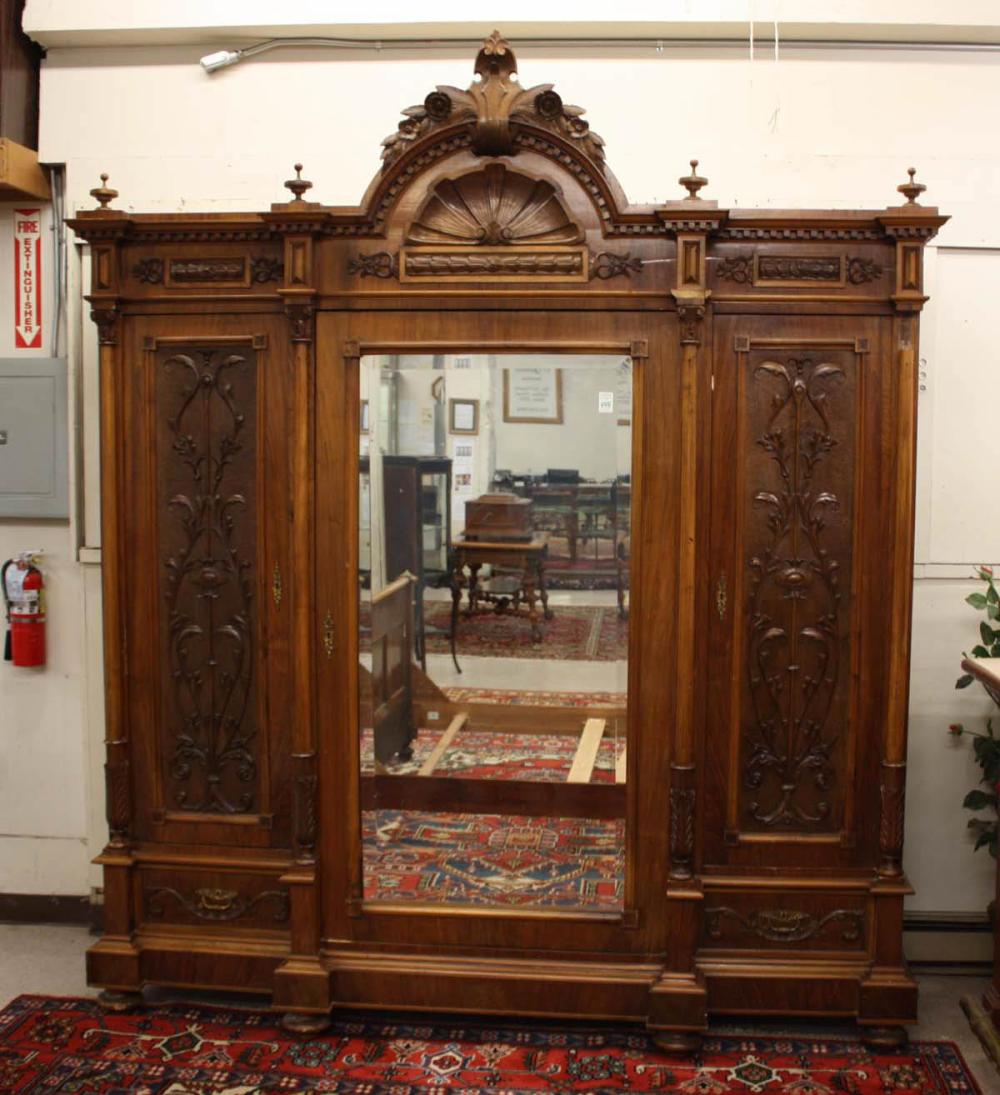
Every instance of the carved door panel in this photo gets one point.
(795, 415)
(207, 480)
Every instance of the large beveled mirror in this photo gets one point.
(494, 550)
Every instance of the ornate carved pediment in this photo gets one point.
(494, 103)
(493, 206)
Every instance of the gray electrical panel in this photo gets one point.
(34, 473)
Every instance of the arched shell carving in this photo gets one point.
(495, 207)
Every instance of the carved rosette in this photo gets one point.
(795, 627)
(149, 271)
(381, 264)
(205, 398)
(264, 268)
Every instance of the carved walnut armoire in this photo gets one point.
(775, 363)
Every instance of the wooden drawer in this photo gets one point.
(230, 899)
(784, 920)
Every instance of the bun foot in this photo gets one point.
(305, 1022)
(676, 1041)
(884, 1037)
(112, 1001)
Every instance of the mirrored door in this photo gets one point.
(494, 550)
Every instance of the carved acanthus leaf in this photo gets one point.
(786, 925)
(207, 397)
(607, 264)
(494, 103)
(795, 602)
(216, 904)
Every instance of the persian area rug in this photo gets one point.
(584, 574)
(55, 1045)
(484, 754)
(511, 697)
(582, 633)
(489, 859)
(575, 633)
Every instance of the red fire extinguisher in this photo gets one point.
(23, 594)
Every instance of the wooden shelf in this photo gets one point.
(21, 175)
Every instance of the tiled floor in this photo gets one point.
(48, 959)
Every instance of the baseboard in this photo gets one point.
(34, 908)
(948, 942)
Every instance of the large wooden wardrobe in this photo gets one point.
(774, 358)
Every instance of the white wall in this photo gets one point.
(43, 743)
(821, 127)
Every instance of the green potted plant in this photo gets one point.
(986, 746)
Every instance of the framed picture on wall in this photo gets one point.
(533, 395)
(364, 416)
(463, 416)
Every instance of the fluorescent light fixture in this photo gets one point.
(211, 61)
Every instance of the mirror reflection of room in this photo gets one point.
(494, 550)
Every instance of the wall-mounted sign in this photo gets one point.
(532, 395)
(27, 279)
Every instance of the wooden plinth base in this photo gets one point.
(299, 1022)
(676, 1041)
(884, 1037)
(119, 1001)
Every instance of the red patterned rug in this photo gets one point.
(578, 633)
(575, 633)
(487, 859)
(54, 1045)
(510, 697)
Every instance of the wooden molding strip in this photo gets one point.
(443, 745)
(586, 752)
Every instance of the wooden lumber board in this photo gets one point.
(443, 744)
(586, 752)
(504, 797)
(517, 718)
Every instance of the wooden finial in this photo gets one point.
(496, 58)
(103, 194)
(911, 190)
(693, 182)
(298, 185)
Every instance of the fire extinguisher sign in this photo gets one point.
(27, 279)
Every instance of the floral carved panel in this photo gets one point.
(206, 421)
(799, 501)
